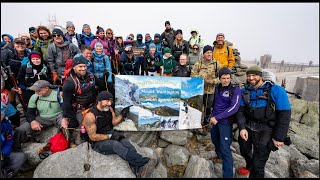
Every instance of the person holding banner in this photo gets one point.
(207, 69)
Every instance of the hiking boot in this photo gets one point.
(148, 168)
(217, 160)
(243, 171)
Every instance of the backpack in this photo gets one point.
(56, 143)
(197, 41)
(67, 69)
(59, 95)
(231, 119)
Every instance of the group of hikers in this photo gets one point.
(56, 77)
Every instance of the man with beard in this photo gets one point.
(99, 123)
(33, 35)
(263, 120)
(58, 53)
(222, 52)
(167, 36)
(79, 93)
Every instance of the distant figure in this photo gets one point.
(282, 63)
(185, 104)
(133, 88)
(310, 63)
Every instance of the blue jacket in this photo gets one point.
(6, 132)
(224, 105)
(278, 124)
(100, 66)
(86, 40)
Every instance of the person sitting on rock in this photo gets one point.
(44, 110)
(99, 123)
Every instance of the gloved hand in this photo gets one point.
(124, 112)
(106, 73)
(118, 136)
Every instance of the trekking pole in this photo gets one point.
(17, 87)
(297, 95)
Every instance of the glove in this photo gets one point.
(106, 73)
(124, 112)
(54, 76)
(117, 136)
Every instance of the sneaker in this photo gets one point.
(148, 168)
(243, 171)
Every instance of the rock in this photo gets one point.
(83, 163)
(298, 109)
(159, 172)
(31, 149)
(142, 138)
(311, 119)
(313, 107)
(279, 163)
(162, 143)
(176, 155)
(198, 168)
(46, 134)
(304, 168)
(127, 125)
(175, 137)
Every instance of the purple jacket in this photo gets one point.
(103, 42)
(224, 106)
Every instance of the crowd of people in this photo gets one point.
(36, 69)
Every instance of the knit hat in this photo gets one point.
(132, 35)
(35, 56)
(32, 29)
(147, 35)
(157, 35)
(39, 84)
(139, 35)
(167, 22)
(69, 24)
(98, 44)
(178, 31)
(152, 45)
(166, 50)
(223, 71)
(99, 29)
(85, 26)
(255, 69)
(207, 48)
(104, 95)
(219, 34)
(57, 31)
(76, 61)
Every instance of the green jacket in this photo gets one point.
(168, 64)
(41, 46)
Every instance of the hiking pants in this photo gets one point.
(24, 131)
(256, 159)
(221, 136)
(207, 102)
(123, 148)
(17, 159)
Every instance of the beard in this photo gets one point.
(105, 108)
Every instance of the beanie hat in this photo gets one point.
(57, 31)
(156, 35)
(167, 50)
(223, 71)
(32, 29)
(104, 95)
(85, 26)
(69, 24)
(207, 48)
(152, 45)
(99, 29)
(255, 69)
(219, 34)
(178, 31)
(139, 35)
(167, 22)
(131, 35)
(76, 61)
(98, 44)
(35, 56)
(147, 35)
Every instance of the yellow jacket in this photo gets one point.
(221, 55)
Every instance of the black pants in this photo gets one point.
(123, 148)
(256, 151)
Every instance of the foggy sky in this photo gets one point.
(287, 31)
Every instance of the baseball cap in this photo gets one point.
(39, 84)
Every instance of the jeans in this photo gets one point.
(221, 136)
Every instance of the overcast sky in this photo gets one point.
(287, 31)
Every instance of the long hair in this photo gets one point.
(46, 29)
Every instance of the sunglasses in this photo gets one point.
(26, 39)
(109, 33)
(195, 48)
(57, 35)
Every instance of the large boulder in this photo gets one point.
(198, 168)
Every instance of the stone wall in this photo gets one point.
(308, 87)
